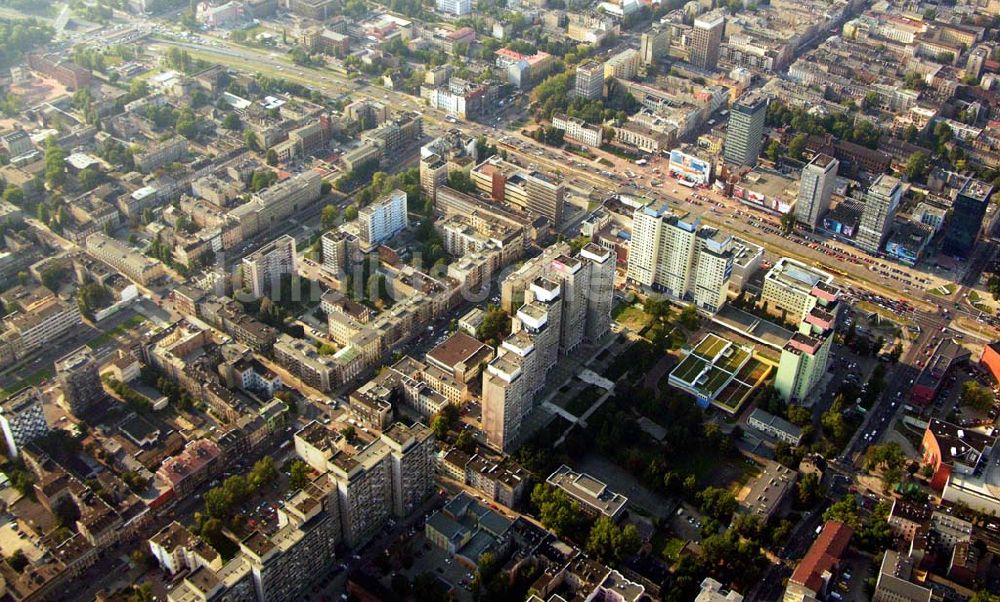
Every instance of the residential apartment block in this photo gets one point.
(674, 254)
(382, 219)
(78, 377)
(264, 268)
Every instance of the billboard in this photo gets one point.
(759, 200)
(690, 168)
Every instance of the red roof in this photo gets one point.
(824, 553)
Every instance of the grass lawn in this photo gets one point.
(712, 470)
(106, 337)
(631, 317)
(672, 549)
(944, 291)
(29, 381)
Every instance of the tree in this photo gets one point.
(460, 181)
(13, 195)
(400, 584)
(298, 475)
(271, 157)
(799, 416)
(88, 179)
(787, 222)
(231, 122)
(797, 146)
(55, 164)
(976, 396)
(349, 433)
(809, 490)
(186, 124)
(717, 503)
(18, 560)
(556, 510)
(916, 166)
(250, 140)
(466, 442)
(773, 151)
(612, 544)
(351, 213)
(329, 215)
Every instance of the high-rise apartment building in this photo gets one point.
(560, 301)
(338, 249)
(745, 133)
(22, 420)
(391, 476)
(815, 188)
(674, 254)
(806, 356)
(411, 464)
(457, 8)
(624, 65)
(382, 219)
(967, 213)
(433, 174)
(654, 45)
(78, 377)
(600, 292)
(590, 80)
(706, 37)
(880, 203)
(264, 268)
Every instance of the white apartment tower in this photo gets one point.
(674, 254)
(383, 219)
(264, 268)
(454, 7)
(815, 189)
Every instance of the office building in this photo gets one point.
(815, 188)
(967, 213)
(654, 45)
(35, 323)
(745, 133)
(382, 220)
(806, 356)
(624, 65)
(22, 419)
(78, 377)
(457, 8)
(706, 37)
(788, 289)
(433, 174)
(578, 131)
(590, 80)
(528, 190)
(674, 254)
(880, 203)
(264, 268)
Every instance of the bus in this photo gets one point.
(684, 182)
(641, 162)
